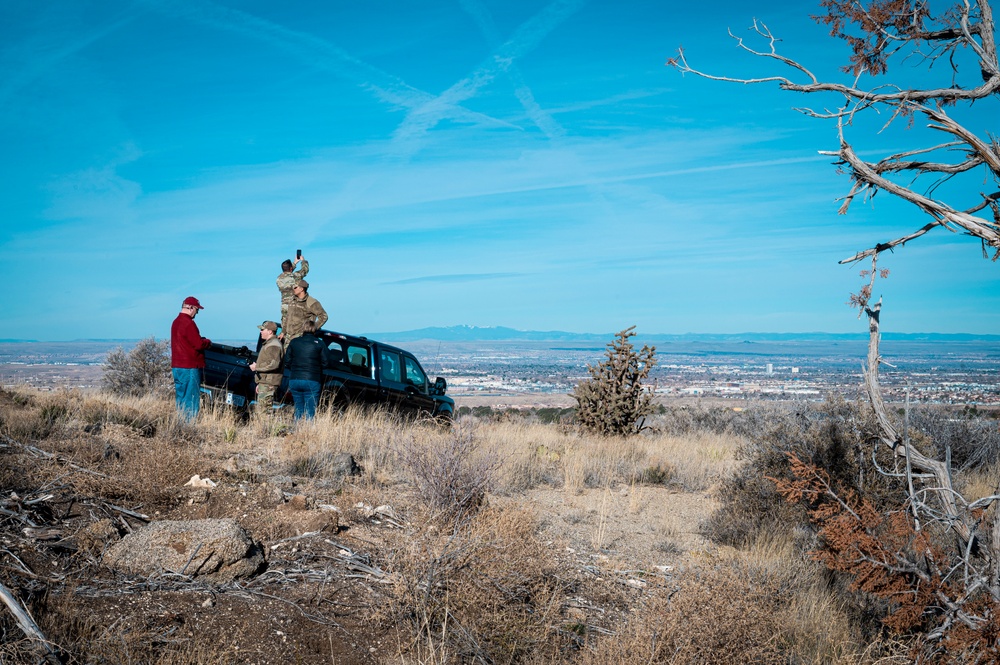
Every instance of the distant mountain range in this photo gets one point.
(500, 333)
(503, 334)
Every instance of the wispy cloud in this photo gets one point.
(455, 279)
(317, 52)
(98, 192)
(29, 57)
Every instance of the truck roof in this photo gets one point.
(359, 339)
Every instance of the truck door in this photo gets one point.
(350, 366)
(418, 391)
(392, 390)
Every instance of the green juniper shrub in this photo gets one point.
(615, 401)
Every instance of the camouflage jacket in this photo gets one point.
(287, 280)
(300, 311)
(269, 363)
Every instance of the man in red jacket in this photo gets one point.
(187, 358)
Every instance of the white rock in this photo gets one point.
(198, 481)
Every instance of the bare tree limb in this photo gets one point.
(28, 625)
(900, 31)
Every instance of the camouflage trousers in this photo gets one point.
(265, 398)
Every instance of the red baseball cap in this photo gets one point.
(191, 300)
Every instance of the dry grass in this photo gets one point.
(482, 588)
(982, 482)
(486, 592)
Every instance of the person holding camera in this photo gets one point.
(288, 278)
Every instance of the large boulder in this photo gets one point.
(217, 550)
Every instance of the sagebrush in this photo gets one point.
(143, 370)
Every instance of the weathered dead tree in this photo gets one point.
(963, 38)
(937, 563)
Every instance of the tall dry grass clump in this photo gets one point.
(486, 591)
(374, 438)
(766, 607)
(452, 479)
(538, 455)
(532, 453)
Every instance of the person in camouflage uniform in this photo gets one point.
(302, 308)
(286, 281)
(267, 370)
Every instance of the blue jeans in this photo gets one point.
(187, 385)
(306, 396)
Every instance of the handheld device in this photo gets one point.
(298, 253)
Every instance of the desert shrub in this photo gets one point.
(972, 437)
(451, 479)
(142, 371)
(614, 401)
(727, 613)
(485, 593)
(831, 437)
(828, 435)
(551, 415)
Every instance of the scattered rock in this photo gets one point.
(218, 550)
(198, 481)
(282, 481)
(297, 502)
(343, 465)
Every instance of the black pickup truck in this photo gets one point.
(360, 371)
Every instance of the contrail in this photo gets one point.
(528, 35)
(317, 52)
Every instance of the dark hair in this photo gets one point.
(309, 328)
(287, 265)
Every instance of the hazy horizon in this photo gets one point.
(565, 335)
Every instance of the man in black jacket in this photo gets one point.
(305, 361)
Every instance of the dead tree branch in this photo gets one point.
(28, 625)
(880, 32)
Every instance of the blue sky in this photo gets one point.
(524, 164)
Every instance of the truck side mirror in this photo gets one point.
(440, 386)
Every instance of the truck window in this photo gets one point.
(390, 365)
(335, 352)
(359, 360)
(414, 373)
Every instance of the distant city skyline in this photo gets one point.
(530, 165)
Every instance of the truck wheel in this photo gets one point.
(333, 399)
